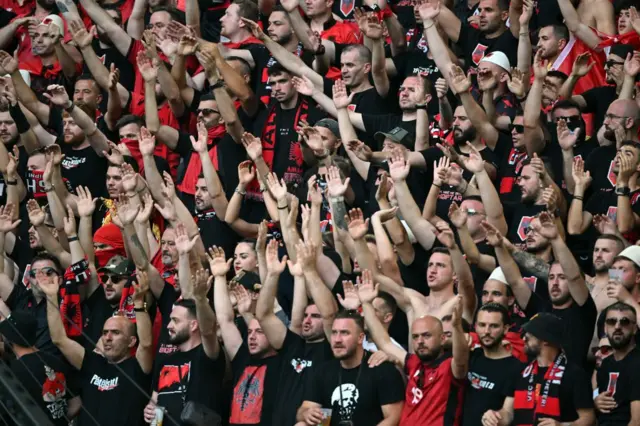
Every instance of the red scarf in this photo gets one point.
(108, 234)
(533, 401)
(269, 138)
(239, 44)
(194, 167)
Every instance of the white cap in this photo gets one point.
(632, 253)
(498, 58)
(55, 19)
(498, 275)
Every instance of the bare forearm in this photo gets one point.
(267, 296)
(625, 218)
(222, 304)
(151, 107)
(524, 49)
(67, 63)
(429, 210)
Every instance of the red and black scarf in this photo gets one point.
(70, 310)
(194, 166)
(269, 137)
(534, 401)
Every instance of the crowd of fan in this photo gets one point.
(321, 212)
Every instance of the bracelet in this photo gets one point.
(421, 106)
(436, 185)
(70, 107)
(524, 34)
(218, 84)
(11, 182)
(337, 199)
(577, 197)
(49, 189)
(283, 208)
(71, 239)
(426, 28)
(241, 192)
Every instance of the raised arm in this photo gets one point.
(145, 352)
(578, 220)
(374, 32)
(460, 345)
(135, 23)
(626, 219)
(573, 23)
(201, 283)
(224, 311)
(118, 36)
(9, 65)
(214, 186)
(534, 138)
(272, 326)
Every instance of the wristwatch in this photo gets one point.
(623, 191)
(142, 309)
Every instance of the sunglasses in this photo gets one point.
(570, 119)
(604, 350)
(624, 322)
(610, 63)
(115, 278)
(519, 128)
(47, 271)
(206, 111)
(474, 212)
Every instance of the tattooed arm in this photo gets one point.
(532, 264)
(339, 210)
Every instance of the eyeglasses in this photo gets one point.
(613, 116)
(610, 63)
(624, 322)
(47, 271)
(604, 350)
(206, 111)
(115, 278)
(519, 128)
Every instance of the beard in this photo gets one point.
(496, 342)
(284, 39)
(179, 338)
(428, 357)
(561, 300)
(348, 354)
(609, 134)
(620, 343)
(601, 268)
(532, 352)
(46, 4)
(462, 137)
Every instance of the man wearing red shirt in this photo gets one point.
(435, 378)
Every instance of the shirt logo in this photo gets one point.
(525, 221)
(346, 398)
(613, 382)
(611, 175)
(300, 364)
(104, 384)
(478, 53)
(346, 7)
(479, 382)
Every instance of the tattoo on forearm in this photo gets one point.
(339, 212)
(532, 264)
(62, 6)
(136, 242)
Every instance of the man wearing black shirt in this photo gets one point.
(44, 376)
(492, 369)
(353, 391)
(111, 378)
(550, 389)
(618, 387)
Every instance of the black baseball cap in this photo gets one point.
(397, 135)
(20, 328)
(546, 327)
(118, 265)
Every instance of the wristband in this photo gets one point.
(143, 308)
(321, 49)
(48, 189)
(421, 106)
(337, 199)
(70, 107)
(577, 197)
(436, 185)
(71, 239)
(18, 117)
(218, 84)
(283, 208)
(11, 182)
(241, 192)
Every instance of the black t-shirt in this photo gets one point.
(597, 101)
(600, 165)
(22, 299)
(364, 391)
(165, 304)
(490, 381)
(255, 386)
(49, 381)
(621, 379)
(201, 375)
(84, 167)
(509, 166)
(111, 55)
(579, 323)
(299, 360)
(575, 390)
(475, 45)
(108, 393)
(215, 232)
(519, 217)
(96, 310)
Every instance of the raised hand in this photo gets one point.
(307, 254)
(218, 263)
(8, 64)
(493, 236)
(398, 167)
(201, 284)
(125, 211)
(85, 204)
(362, 151)
(527, 12)
(545, 226)
(140, 286)
(386, 215)
(428, 10)
(147, 67)
(147, 208)
(146, 142)
(184, 244)
(303, 85)
(340, 97)
(540, 66)
(200, 145)
(80, 35)
(367, 291)
(277, 188)
(566, 138)
(314, 194)
(54, 154)
(7, 224)
(440, 170)
(550, 198)
(37, 216)
(275, 266)
(113, 156)
(335, 185)
(358, 227)
(626, 168)
(460, 82)
(516, 83)
(252, 145)
(255, 28)
(445, 235)
(373, 29)
(632, 64)
(246, 173)
(582, 65)
(457, 216)
(57, 95)
(634, 18)
(12, 164)
(581, 177)
(384, 185)
(244, 301)
(70, 223)
(169, 188)
(261, 241)
(442, 87)
(351, 300)
(129, 178)
(474, 162)
(188, 45)
(604, 224)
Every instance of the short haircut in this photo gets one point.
(621, 307)
(472, 198)
(565, 104)
(442, 250)
(466, 327)
(277, 69)
(188, 304)
(44, 256)
(624, 5)
(630, 143)
(174, 13)
(614, 238)
(425, 81)
(279, 8)
(90, 77)
(364, 54)
(247, 9)
(558, 74)
(208, 96)
(496, 307)
(246, 68)
(350, 314)
(389, 302)
(129, 119)
(560, 32)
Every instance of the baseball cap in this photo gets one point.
(55, 19)
(498, 275)
(632, 253)
(621, 50)
(20, 328)
(397, 135)
(331, 124)
(546, 327)
(498, 58)
(118, 265)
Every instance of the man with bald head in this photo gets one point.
(621, 123)
(109, 376)
(434, 375)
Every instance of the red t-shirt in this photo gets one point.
(341, 33)
(433, 396)
(24, 40)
